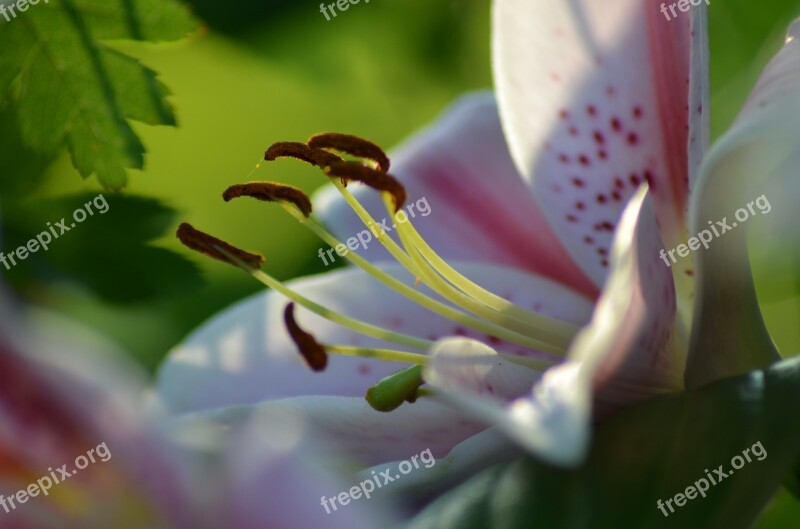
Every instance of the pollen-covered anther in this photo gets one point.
(352, 145)
(270, 192)
(300, 151)
(312, 351)
(218, 249)
(370, 177)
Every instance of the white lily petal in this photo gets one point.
(596, 98)
(277, 480)
(757, 159)
(552, 422)
(632, 348)
(470, 366)
(352, 428)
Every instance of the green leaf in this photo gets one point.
(110, 253)
(73, 89)
(652, 451)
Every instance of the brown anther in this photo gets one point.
(352, 145)
(211, 246)
(370, 177)
(270, 192)
(311, 350)
(300, 151)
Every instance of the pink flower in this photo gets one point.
(595, 101)
(58, 402)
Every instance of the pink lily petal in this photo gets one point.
(552, 422)
(627, 352)
(632, 347)
(480, 210)
(757, 159)
(244, 356)
(353, 429)
(276, 481)
(46, 423)
(595, 100)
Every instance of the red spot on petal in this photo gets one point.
(616, 124)
(602, 199)
(633, 138)
(577, 182)
(584, 160)
(563, 114)
(591, 110)
(637, 112)
(580, 206)
(598, 137)
(572, 218)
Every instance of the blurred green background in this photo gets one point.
(264, 71)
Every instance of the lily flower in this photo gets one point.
(533, 296)
(76, 451)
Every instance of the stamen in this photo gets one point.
(370, 177)
(492, 325)
(451, 284)
(489, 325)
(211, 246)
(221, 250)
(309, 347)
(394, 390)
(367, 329)
(353, 146)
(387, 355)
(271, 192)
(300, 151)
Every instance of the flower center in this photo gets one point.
(470, 305)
